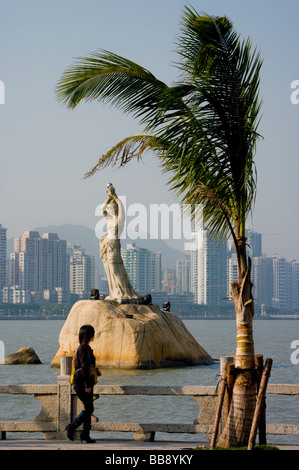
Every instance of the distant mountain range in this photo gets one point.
(85, 236)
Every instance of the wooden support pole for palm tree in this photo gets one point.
(259, 363)
(259, 403)
(219, 409)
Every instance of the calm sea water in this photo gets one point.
(273, 339)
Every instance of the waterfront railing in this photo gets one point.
(59, 404)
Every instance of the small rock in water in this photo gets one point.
(23, 356)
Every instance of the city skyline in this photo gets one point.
(46, 150)
(47, 268)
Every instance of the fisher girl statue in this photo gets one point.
(120, 288)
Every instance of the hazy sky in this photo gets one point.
(45, 149)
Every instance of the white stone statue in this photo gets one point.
(120, 287)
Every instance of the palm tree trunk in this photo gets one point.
(237, 429)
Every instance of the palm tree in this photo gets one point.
(204, 131)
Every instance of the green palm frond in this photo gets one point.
(131, 147)
(109, 78)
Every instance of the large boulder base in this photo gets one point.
(130, 336)
(22, 356)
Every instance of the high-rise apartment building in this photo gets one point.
(281, 284)
(170, 282)
(276, 282)
(208, 269)
(2, 260)
(295, 284)
(81, 271)
(262, 279)
(254, 243)
(183, 275)
(39, 264)
(54, 256)
(143, 268)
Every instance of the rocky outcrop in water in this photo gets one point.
(131, 336)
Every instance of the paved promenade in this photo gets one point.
(107, 445)
(113, 444)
